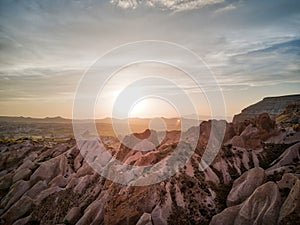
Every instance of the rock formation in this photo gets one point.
(271, 105)
(254, 178)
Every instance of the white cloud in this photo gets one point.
(226, 8)
(173, 5)
(125, 4)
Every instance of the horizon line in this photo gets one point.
(107, 117)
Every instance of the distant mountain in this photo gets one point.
(106, 125)
(21, 119)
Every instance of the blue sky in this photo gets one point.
(253, 47)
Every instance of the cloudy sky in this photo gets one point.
(252, 47)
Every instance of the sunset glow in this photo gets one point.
(46, 50)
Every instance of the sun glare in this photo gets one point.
(152, 107)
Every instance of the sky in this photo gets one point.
(252, 48)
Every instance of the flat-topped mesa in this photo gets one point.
(271, 105)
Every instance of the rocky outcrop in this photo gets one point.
(266, 205)
(290, 210)
(73, 215)
(271, 105)
(292, 154)
(262, 207)
(226, 217)
(287, 181)
(244, 186)
(94, 213)
(145, 219)
(251, 133)
(15, 193)
(19, 209)
(51, 168)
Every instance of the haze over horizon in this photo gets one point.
(252, 47)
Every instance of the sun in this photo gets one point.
(152, 107)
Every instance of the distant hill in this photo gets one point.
(106, 125)
(21, 119)
(272, 105)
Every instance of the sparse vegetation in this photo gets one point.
(228, 153)
(276, 176)
(222, 192)
(271, 153)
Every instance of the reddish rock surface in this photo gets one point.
(256, 170)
